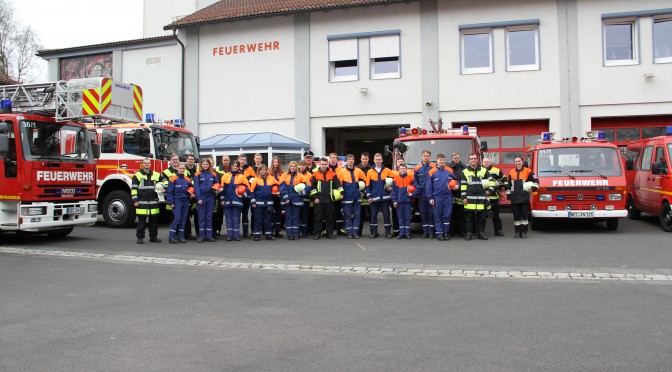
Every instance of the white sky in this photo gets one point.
(71, 23)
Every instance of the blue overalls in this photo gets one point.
(263, 205)
(292, 201)
(203, 182)
(420, 177)
(437, 189)
(233, 204)
(400, 196)
(179, 196)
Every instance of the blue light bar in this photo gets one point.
(178, 123)
(600, 197)
(546, 136)
(465, 129)
(6, 104)
(601, 135)
(402, 131)
(668, 130)
(560, 197)
(149, 118)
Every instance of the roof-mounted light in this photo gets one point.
(575, 139)
(178, 123)
(668, 130)
(6, 105)
(546, 137)
(601, 136)
(465, 129)
(150, 118)
(415, 131)
(402, 132)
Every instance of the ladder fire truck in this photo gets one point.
(123, 147)
(579, 178)
(47, 161)
(411, 143)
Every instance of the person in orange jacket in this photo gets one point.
(401, 200)
(232, 201)
(263, 188)
(293, 198)
(350, 177)
(378, 193)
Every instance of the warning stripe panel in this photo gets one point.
(106, 94)
(91, 101)
(137, 101)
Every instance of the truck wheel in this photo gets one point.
(666, 217)
(535, 223)
(612, 223)
(118, 209)
(633, 212)
(60, 233)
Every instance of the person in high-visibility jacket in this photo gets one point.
(292, 199)
(379, 197)
(420, 176)
(169, 172)
(457, 218)
(324, 182)
(231, 202)
(218, 217)
(401, 200)
(249, 174)
(350, 177)
(440, 196)
(178, 197)
(365, 212)
(261, 189)
(305, 216)
(276, 170)
(474, 182)
(146, 201)
(519, 197)
(500, 184)
(204, 179)
(192, 169)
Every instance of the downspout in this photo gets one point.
(181, 75)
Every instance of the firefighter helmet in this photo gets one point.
(486, 183)
(299, 188)
(388, 182)
(411, 188)
(527, 186)
(452, 184)
(216, 187)
(275, 189)
(159, 188)
(191, 190)
(362, 185)
(240, 190)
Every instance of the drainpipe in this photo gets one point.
(181, 75)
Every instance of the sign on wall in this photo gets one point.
(99, 65)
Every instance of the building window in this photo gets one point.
(662, 40)
(620, 42)
(477, 52)
(343, 56)
(522, 45)
(384, 55)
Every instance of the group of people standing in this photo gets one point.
(322, 198)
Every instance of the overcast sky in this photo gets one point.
(71, 23)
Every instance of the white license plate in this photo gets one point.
(580, 214)
(76, 210)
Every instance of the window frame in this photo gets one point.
(634, 35)
(536, 66)
(373, 60)
(464, 70)
(665, 18)
(332, 63)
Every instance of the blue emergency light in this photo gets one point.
(149, 118)
(601, 136)
(6, 105)
(668, 130)
(402, 131)
(465, 129)
(178, 123)
(546, 137)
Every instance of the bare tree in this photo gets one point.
(18, 45)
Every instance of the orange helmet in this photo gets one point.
(216, 187)
(411, 188)
(275, 189)
(191, 190)
(240, 190)
(452, 184)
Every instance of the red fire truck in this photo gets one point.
(47, 170)
(649, 180)
(123, 147)
(412, 142)
(579, 178)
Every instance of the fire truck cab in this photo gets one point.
(579, 178)
(649, 179)
(123, 147)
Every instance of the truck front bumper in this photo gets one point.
(566, 214)
(45, 216)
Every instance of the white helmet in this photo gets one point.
(486, 183)
(388, 182)
(159, 188)
(527, 186)
(362, 185)
(299, 187)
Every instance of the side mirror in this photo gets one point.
(4, 143)
(484, 146)
(396, 144)
(95, 148)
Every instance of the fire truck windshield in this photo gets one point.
(578, 162)
(180, 143)
(446, 146)
(52, 141)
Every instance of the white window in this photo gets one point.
(384, 57)
(620, 42)
(522, 46)
(477, 52)
(662, 40)
(343, 56)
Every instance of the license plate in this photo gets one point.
(76, 210)
(580, 214)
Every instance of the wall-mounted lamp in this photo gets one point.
(649, 76)
(363, 90)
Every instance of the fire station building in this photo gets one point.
(344, 75)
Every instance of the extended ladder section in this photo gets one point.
(78, 99)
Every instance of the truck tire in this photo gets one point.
(665, 217)
(60, 233)
(535, 223)
(633, 212)
(612, 223)
(118, 209)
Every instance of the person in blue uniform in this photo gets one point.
(401, 200)
(204, 180)
(178, 198)
(440, 196)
